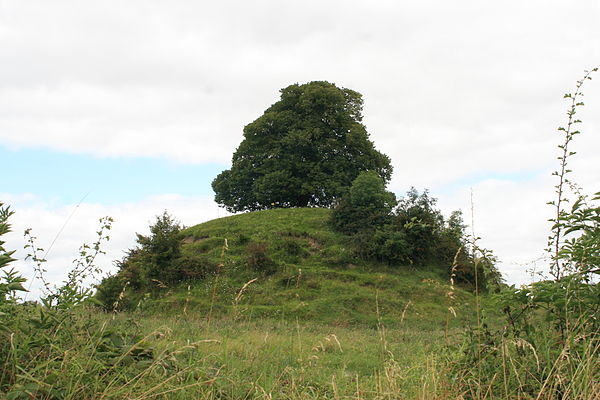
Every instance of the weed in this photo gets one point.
(549, 346)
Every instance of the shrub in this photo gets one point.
(187, 268)
(366, 206)
(414, 233)
(158, 251)
(258, 260)
(110, 294)
(393, 246)
(154, 262)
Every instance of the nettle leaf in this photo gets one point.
(576, 205)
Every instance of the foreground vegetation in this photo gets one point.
(276, 304)
(362, 331)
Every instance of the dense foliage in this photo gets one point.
(411, 231)
(155, 263)
(366, 206)
(305, 150)
(10, 282)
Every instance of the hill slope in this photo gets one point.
(288, 264)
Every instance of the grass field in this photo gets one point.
(265, 358)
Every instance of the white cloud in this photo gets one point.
(181, 80)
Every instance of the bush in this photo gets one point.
(366, 206)
(392, 246)
(158, 251)
(187, 268)
(414, 233)
(156, 261)
(258, 260)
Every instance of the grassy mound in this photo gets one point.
(289, 264)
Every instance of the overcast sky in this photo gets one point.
(130, 108)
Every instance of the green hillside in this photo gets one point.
(298, 268)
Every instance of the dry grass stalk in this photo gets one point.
(241, 291)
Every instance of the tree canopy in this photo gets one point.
(305, 150)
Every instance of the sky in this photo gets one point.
(128, 109)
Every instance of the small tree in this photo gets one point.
(366, 207)
(156, 260)
(158, 251)
(422, 223)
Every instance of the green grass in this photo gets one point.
(317, 277)
(323, 325)
(265, 358)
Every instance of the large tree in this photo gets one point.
(305, 150)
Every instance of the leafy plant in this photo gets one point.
(155, 264)
(579, 218)
(10, 282)
(550, 344)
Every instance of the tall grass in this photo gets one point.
(549, 344)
